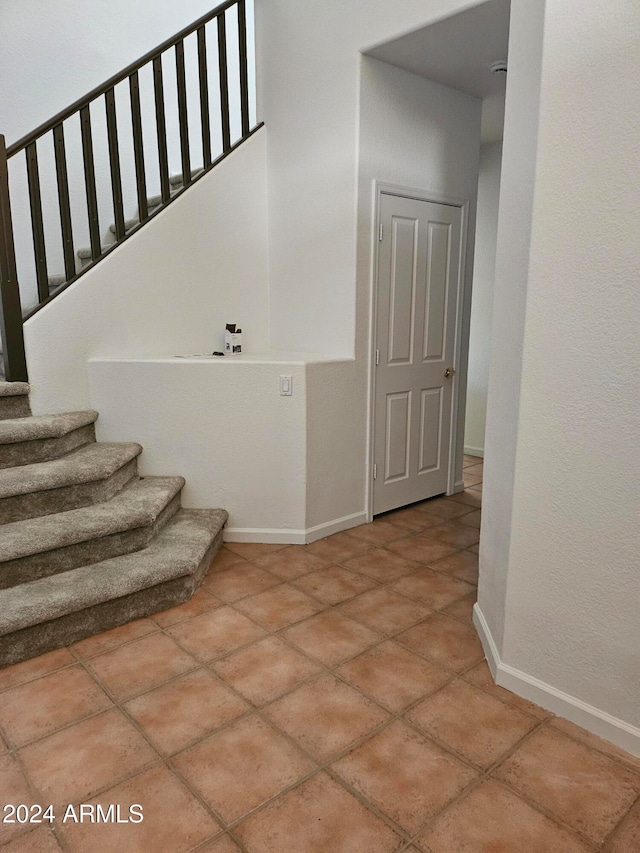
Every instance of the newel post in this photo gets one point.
(15, 363)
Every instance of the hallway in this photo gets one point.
(329, 698)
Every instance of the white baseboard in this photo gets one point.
(592, 719)
(474, 451)
(282, 536)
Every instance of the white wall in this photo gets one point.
(308, 86)
(169, 289)
(559, 569)
(484, 267)
(243, 450)
(49, 58)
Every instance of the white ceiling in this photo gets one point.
(458, 52)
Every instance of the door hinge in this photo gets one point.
(377, 357)
(375, 471)
(380, 232)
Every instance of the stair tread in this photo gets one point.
(88, 464)
(177, 551)
(138, 505)
(13, 389)
(44, 426)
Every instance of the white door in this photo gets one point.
(418, 279)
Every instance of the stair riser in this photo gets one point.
(29, 642)
(19, 507)
(14, 407)
(44, 449)
(37, 566)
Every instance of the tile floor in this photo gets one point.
(331, 698)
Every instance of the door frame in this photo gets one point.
(461, 342)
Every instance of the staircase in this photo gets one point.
(86, 544)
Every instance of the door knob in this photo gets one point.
(449, 372)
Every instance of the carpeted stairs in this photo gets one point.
(85, 543)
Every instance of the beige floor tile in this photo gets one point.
(594, 742)
(14, 789)
(201, 602)
(481, 677)
(141, 665)
(334, 584)
(393, 676)
(454, 534)
(224, 559)
(278, 607)
(337, 548)
(252, 550)
(41, 840)
(468, 498)
(173, 819)
(472, 519)
(266, 670)
(420, 549)
(242, 766)
(185, 710)
(626, 837)
(445, 508)
(432, 588)
(291, 562)
(408, 777)
(331, 637)
(43, 706)
(471, 722)
(581, 787)
(413, 519)
(326, 716)
(239, 581)
(381, 565)
(377, 533)
(319, 816)
(463, 609)
(20, 673)
(108, 640)
(471, 479)
(221, 844)
(78, 761)
(445, 641)
(385, 610)
(462, 565)
(491, 819)
(469, 460)
(216, 633)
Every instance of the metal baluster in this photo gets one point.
(161, 128)
(37, 226)
(64, 202)
(114, 162)
(182, 113)
(90, 182)
(224, 82)
(138, 146)
(204, 97)
(244, 73)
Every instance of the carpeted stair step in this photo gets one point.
(14, 400)
(35, 439)
(58, 610)
(37, 547)
(93, 473)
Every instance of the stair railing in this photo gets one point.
(11, 314)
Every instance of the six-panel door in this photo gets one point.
(418, 272)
